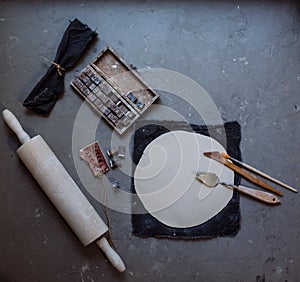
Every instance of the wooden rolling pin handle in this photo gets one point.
(112, 256)
(260, 195)
(15, 126)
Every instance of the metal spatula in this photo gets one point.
(212, 180)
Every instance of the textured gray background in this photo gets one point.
(245, 54)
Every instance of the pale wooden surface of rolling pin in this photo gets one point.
(62, 190)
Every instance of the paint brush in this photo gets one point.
(249, 167)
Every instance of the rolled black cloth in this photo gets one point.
(227, 222)
(74, 43)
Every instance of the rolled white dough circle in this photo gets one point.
(165, 181)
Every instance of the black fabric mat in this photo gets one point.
(226, 222)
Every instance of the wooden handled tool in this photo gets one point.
(62, 190)
(210, 179)
(218, 157)
(260, 195)
(249, 167)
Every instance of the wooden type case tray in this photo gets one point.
(114, 90)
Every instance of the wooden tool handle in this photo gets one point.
(218, 157)
(15, 126)
(261, 173)
(251, 177)
(110, 253)
(270, 178)
(259, 195)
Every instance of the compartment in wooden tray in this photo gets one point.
(114, 90)
(125, 79)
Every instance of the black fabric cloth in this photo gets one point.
(225, 223)
(75, 41)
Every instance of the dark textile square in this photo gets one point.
(226, 222)
(75, 41)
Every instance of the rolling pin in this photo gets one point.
(62, 190)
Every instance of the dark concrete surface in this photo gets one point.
(246, 55)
